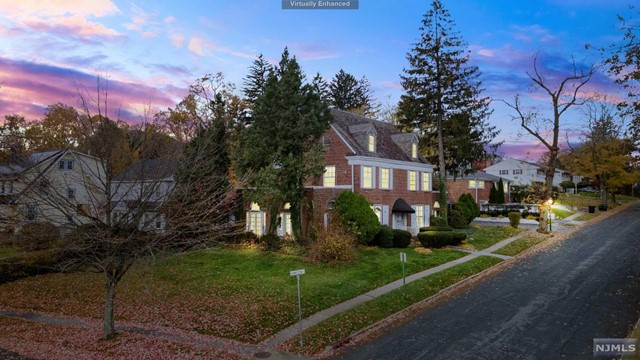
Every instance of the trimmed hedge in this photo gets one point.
(437, 239)
(401, 238)
(436, 228)
(438, 221)
(457, 219)
(505, 213)
(384, 237)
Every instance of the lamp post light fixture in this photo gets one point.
(549, 203)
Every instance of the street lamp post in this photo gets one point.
(550, 203)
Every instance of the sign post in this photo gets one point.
(403, 260)
(297, 274)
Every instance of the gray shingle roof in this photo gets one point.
(154, 169)
(390, 142)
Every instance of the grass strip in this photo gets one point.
(487, 236)
(338, 327)
(522, 244)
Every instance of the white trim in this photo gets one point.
(383, 162)
(348, 187)
(342, 138)
(430, 179)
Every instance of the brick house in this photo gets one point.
(478, 184)
(371, 158)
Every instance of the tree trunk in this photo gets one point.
(548, 192)
(109, 330)
(443, 174)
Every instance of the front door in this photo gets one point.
(400, 221)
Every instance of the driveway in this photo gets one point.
(548, 306)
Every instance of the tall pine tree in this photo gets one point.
(442, 99)
(281, 148)
(350, 94)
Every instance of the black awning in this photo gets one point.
(401, 206)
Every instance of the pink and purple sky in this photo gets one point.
(151, 51)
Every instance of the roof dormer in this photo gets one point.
(365, 135)
(408, 142)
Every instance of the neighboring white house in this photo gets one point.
(60, 187)
(140, 191)
(521, 172)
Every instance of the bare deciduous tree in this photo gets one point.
(565, 94)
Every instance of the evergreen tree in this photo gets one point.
(500, 199)
(350, 94)
(253, 84)
(281, 148)
(321, 87)
(442, 98)
(493, 195)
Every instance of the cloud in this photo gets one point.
(200, 46)
(533, 33)
(169, 20)
(61, 17)
(177, 40)
(29, 87)
(391, 85)
(172, 70)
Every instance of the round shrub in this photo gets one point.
(457, 219)
(437, 239)
(356, 216)
(436, 228)
(401, 238)
(333, 245)
(38, 236)
(384, 237)
(270, 242)
(438, 221)
(514, 218)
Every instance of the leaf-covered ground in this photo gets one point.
(246, 295)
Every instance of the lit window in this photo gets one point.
(473, 183)
(385, 178)
(372, 143)
(367, 177)
(414, 150)
(426, 181)
(255, 219)
(413, 180)
(505, 187)
(420, 216)
(330, 176)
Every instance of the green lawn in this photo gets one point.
(318, 337)
(522, 244)
(561, 213)
(245, 294)
(486, 236)
(586, 216)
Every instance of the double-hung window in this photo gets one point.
(426, 181)
(329, 176)
(385, 178)
(413, 180)
(367, 177)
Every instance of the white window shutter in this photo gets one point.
(247, 221)
(281, 227)
(385, 215)
(427, 215)
(413, 220)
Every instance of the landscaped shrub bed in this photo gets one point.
(384, 237)
(436, 228)
(401, 238)
(437, 239)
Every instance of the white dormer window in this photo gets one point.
(372, 143)
(414, 150)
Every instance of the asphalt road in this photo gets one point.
(548, 306)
